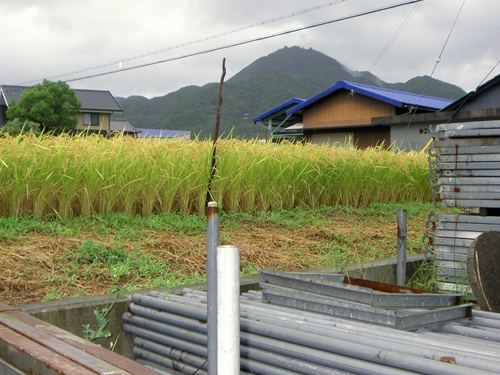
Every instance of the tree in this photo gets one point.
(16, 127)
(51, 105)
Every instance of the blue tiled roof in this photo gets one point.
(277, 108)
(394, 97)
(160, 133)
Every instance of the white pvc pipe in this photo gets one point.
(228, 310)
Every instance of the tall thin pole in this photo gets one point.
(212, 244)
(401, 262)
(216, 134)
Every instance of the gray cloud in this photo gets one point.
(42, 40)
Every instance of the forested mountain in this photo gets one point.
(268, 81)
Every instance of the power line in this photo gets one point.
(249, 40)
(391, 41)
(469, 95)
(438, 60)
(214, 36)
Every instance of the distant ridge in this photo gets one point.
(268, 81)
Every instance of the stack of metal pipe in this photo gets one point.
(171, 336)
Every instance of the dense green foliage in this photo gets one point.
(16, 127)
(89, 175)
(267, 82)
(51, 105)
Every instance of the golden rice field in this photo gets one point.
(89, 175)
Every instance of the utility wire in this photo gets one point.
(391, 41)
(469, 95)
(487, 75)
(438, 60)
(214, 36)
(249, 40)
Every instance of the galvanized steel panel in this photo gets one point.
(467, 227)
(454, 287)
(457, 265)
(470, 203)
(462, 126)
(359, 294)
(451, 256)
(468, 158)
(455, 234)
(469, 218)
(452, 242)
(470, 188)
(469, 173)
(456, 165)
(451, 252)
(457, 143)
(469, 133)
(469, 181)
(476, 150)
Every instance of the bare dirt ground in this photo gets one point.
(36, 265)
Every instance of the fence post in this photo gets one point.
(212, 213)
(401, 263)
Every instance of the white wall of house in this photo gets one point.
(407, 138)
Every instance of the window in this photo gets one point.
(91, 119)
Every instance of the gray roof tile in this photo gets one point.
(92, 100)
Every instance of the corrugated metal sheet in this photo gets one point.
(394, 97)
(277, 108)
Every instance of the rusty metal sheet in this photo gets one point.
(383, 287)
(68, 351)
(33, 358)
(466, 142)
(95, 350)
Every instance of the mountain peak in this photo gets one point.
(268, 81)
(295, 60)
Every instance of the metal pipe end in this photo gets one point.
(212, 204)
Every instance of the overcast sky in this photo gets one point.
(49, 39)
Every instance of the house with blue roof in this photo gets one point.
(342, 115)
(481, 104)
(278, 124)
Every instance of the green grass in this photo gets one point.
(124, 251)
